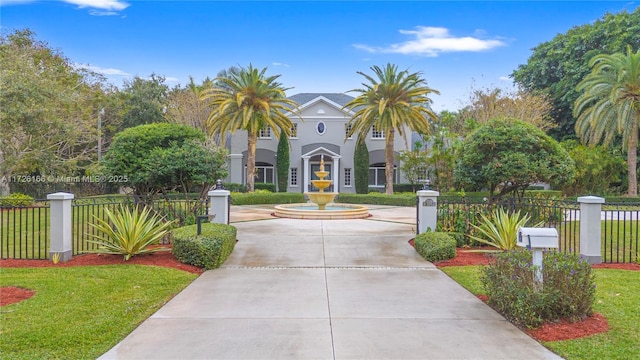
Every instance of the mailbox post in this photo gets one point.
(536, 240)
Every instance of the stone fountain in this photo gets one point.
(322, 207)
(320, 197)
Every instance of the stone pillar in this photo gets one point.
(336, 176)
(427, 210)
(61, 225)
(219, 206)
(306, 174)
(590, 224)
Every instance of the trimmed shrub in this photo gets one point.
(266, 198)
(378, 199)
(235, 187)
(16, 200)
(435, 246)
(209, 250)
(568, 288)
(265, 186)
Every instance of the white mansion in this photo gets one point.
(319, 128)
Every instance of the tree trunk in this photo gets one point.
(389, 156)
(632, 159)
(251, 160)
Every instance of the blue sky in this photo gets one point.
(315, 46)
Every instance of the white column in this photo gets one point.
(427, 210)
(235, 168)
(306, 177)
(61, 224)
(336, 177)
(590, 224)
(219, 206)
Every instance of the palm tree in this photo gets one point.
(248, 100)
(610, 105)
(389, 103)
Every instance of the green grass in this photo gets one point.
(81, 312)
(617, 299)
(618, 239)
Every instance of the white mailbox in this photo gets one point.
(532, 238)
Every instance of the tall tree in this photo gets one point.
(361, 166)
(248, 100)
(556, 67)
(609, 105)
(48, 110)
(390, 102)
(184, 105)
(283, 163)
(145, 101)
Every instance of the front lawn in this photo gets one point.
(617, 299)
(81, 312)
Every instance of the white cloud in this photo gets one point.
(105, 71)
(109, 5)
(280, 64)
(431, 41)
(505, 78)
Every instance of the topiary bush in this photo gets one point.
(209, 250)
(16, 200)
(568, 288)
(435, 246)
(259, 197)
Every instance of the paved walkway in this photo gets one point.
(326, 289)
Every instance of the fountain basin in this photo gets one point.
(331, 212)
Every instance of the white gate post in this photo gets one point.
(219, 206)
(590, 224)
(427, 210)
(61, 225)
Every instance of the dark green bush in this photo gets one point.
(378, 199)
(235, 187)
(435, 246)
(209, 250)
(16, 200)
(568, 288)
(407, 188)
(265, 186)
(266, 198)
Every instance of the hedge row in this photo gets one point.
(209, 250)
(266, 198)
(435, 246)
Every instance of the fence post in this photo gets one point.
(61, 225)
(427, 210)
(219, 206)
(590, 224)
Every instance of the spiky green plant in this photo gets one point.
(129, 232)
(500, 229)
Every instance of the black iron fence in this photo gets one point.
(620, 232)
(25, 230)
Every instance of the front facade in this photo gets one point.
(319, 129)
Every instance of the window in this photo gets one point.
(321, 128)
(377, 176)
(265, 133)
(347, 177)
(376, 133)
(347, 128)
(293, 177)
(264, 173)
(294, 131)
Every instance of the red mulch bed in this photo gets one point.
(552, 331)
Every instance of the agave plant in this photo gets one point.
(500, 229)
(129, 232)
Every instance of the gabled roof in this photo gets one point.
(338, 98)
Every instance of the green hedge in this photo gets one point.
(266, 198)
(265, 186)
(435, 246)
(406, 199)
(16, 200)
(209, 250)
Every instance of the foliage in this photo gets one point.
(209, 250)
(184, 105)
(16, 200)
(567, 292)
(145, 101)
(82, 311)
(129, 232)
(413, 166)
(361, 167)
(266, 198)
(265, 187)
(392, 102)
(609, 105)
(597, 169)
(163, 157)
(557, 66)
(403, 199)
(282, 163)
(445, 145)
(248, 100)
(435, 246)
(48, 110)
(505, 156)
(500, 229)
(488, 104)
